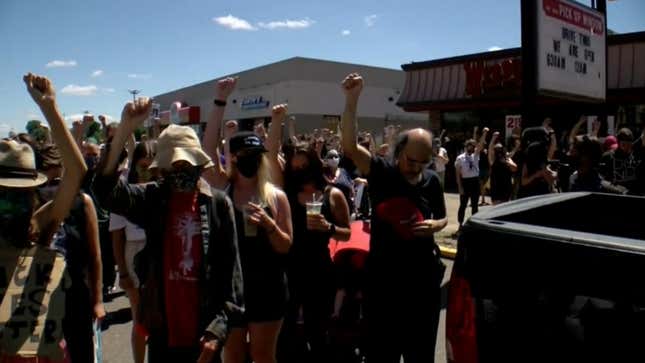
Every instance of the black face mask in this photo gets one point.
(16, 210)
(183, 180)
(301, 177)
(248, 165)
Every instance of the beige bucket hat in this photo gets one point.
(179, 143)
(18, 166)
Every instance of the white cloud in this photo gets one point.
(139, 76)
(97, 73)
(75, 90)
(370, 20)
(346, 33)
(234, 23)
(33, 115)
(288, 24)
(60, 64)
(494, 48)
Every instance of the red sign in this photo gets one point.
(187, 116)
(485, 78)
(574, 16)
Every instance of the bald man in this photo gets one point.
(404, 268)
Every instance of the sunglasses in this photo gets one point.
(333, 157)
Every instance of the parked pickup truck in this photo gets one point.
(555, 278)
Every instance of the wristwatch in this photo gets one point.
(219, 103)
(332, 229)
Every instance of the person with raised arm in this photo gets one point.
(467, 174)
(190, 274)
(319, 212)
(404, 268)
(263, 221)
(26, 235)
(502, 169)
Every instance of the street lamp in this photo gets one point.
(134, 93)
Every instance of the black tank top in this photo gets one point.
(501, 180)
(263, 269)
(310, 249)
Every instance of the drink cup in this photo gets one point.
(250, 229)
(313, 208)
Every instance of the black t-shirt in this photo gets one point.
(395, 202)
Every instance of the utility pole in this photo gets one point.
(134, 93)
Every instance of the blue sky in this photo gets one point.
(94, 51)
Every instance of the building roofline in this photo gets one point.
(287, 60)
(634, 37)
(504, 53)
(614, 39)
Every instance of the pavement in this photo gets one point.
(447, 238)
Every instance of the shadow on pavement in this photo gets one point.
(121, 316)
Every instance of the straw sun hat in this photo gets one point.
(18, 166)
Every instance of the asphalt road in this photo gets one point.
(118, 324)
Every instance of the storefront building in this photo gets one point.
(461, 92)
(484, 89)
(310, 87)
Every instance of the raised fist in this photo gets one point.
(486, 130)
(279, 112)
(260, 130)
(225, 87)
(231, 124)
(41, 89)
(134, 113)
(352, 86)
(230, 128)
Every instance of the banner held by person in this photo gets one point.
(32, 305)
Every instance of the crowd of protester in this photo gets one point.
(222, 244)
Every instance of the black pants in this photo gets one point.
(406, 327)
(107, 255)
(77, 325)
(315, 294)
(471, 192)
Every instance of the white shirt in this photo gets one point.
(132, 231)
(468, 164)
(440, 164)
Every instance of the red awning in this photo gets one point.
(493, 79)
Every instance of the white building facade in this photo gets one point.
(312, 90)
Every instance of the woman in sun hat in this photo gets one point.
(26, 233)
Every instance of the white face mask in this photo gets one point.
(333, 162)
